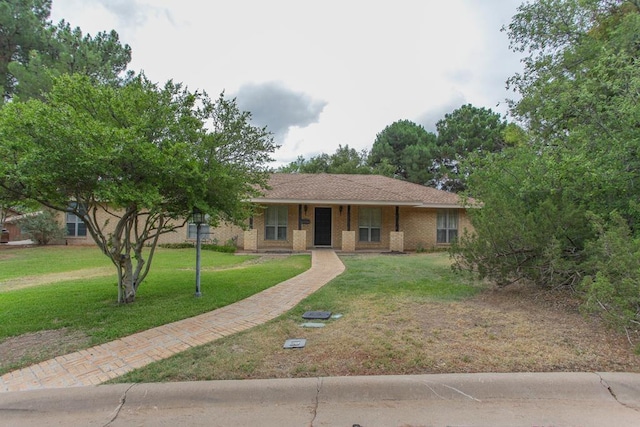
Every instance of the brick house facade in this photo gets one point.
(345, 212)
(353, 213)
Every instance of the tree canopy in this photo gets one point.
(552, 203)
(344, 160)
(404, 145)
(33, 51)
(144, 154)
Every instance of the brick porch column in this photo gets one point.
(396, 241)
(299, 240)
(251, 240)
(348, 241)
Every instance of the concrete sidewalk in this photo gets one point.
(107, 361)
(522, 399)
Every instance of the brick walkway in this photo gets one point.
(110, 360)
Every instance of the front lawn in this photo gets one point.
(409, 314)
(87, 307)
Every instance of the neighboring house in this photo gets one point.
(353, 213)
(11, 226)
(345, 212)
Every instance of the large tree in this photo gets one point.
(468, 130)
(33, 51)
(144, 154)
(344, 160)
(406, 146)
(553, 206)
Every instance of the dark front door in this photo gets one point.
(322, 234)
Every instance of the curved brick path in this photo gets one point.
(106, 361)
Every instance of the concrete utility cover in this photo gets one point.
(295, 343)
(312, 325)
(317, 315)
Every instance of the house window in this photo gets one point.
(447, 225)
(369, 222)
(276, 218)
(192, 231)
(75, 226)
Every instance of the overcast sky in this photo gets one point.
(323, 74)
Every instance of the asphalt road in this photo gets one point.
(521, 399)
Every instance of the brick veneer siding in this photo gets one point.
(250, 241)
(299, 240)
(348, 241)
(396, 241)
(417, 225)
(420, 226)
(259, 225)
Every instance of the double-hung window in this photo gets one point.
(276, 218)
(192, 231)
(75, 226)
(447, 225)
(369, 223)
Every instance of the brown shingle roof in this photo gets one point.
(353, 189)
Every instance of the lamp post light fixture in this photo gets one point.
(198, 218)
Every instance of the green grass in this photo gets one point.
(384, 278)
(166, 295)
(16, 263)
(373, 287)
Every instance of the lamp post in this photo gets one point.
(198, 219)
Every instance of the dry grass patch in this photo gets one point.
(509, 330)
(16, 352)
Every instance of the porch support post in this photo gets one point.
(396, 241)
(348, 217)
(348, 241)
(299, 217)
(397, 218)
(251, 240)
(299, 240)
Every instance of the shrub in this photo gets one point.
(219, 248)
(612, 286)
(185, 245)
(42, 227)
(205, 246)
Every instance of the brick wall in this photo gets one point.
(418, 227)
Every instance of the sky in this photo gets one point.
(319, 75)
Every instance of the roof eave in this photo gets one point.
(411, 203)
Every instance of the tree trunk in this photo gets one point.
(127, 280)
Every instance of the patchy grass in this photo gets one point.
(87, 310)
(41, 260)
(409, 315)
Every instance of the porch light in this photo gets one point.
(198, 218)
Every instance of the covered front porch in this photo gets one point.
(347, 228)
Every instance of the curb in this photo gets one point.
(297, 398)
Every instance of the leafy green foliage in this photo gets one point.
(42, 227)
(612, 283)
(204, 246)
(558, 205)
(437, 160)
(144, 154)
(391, 145)
(466, 131)
(345, 160)
(33, 51)
(525, 228)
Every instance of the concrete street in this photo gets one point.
(522, 399)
